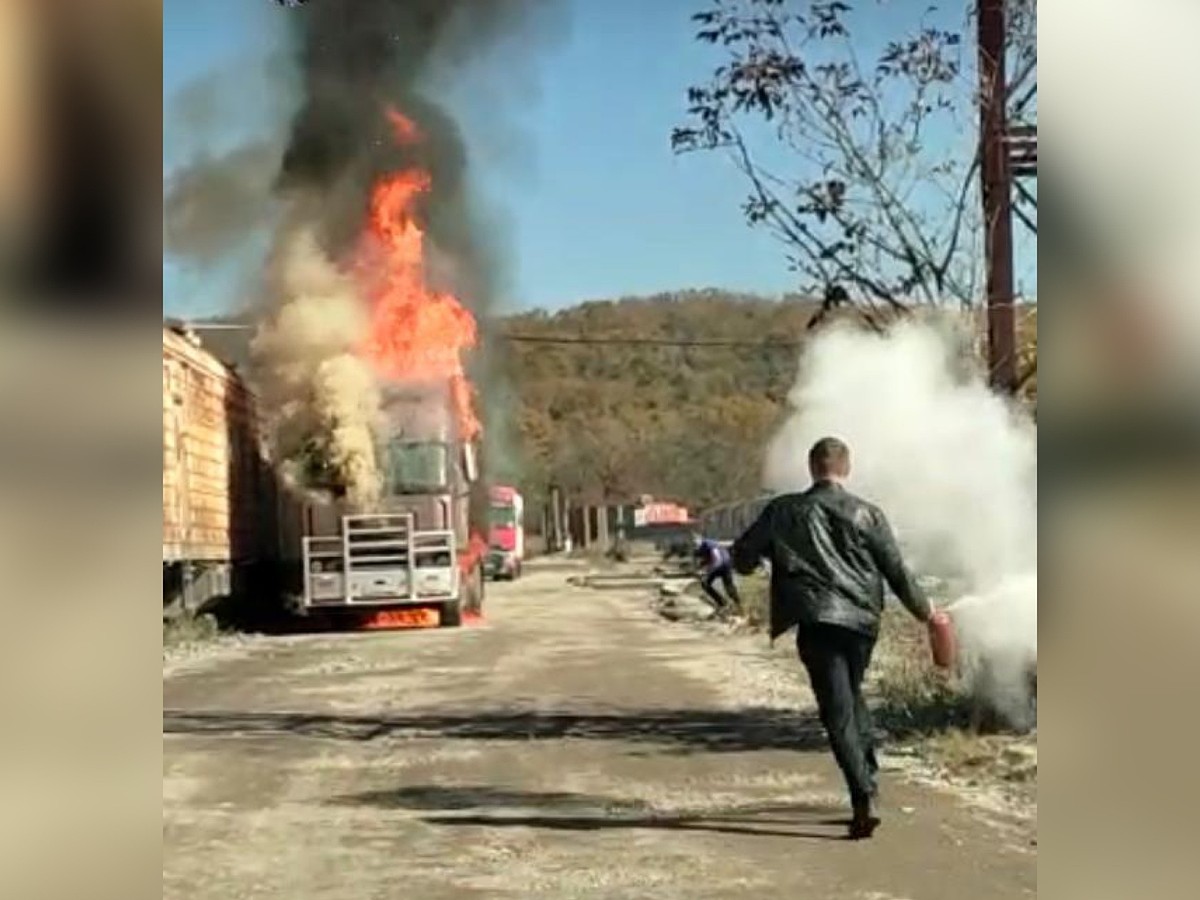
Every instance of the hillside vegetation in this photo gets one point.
(609, 421)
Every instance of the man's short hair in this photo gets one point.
(829, 456)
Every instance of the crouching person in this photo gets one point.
(716, 565)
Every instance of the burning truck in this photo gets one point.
(406, 541)
(417, 558)
(357, 387)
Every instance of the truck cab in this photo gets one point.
(506, 533)
(419, 548)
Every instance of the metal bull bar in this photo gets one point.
(380, 559)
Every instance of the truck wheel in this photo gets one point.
(473, 591)
(451, 614)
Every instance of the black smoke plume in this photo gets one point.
(351, 62)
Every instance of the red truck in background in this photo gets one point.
(506, 533)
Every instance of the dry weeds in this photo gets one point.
(189, 629)
(926, 715)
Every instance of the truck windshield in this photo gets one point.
(415, 468)
(502, 516)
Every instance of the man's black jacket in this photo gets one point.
(830, 554)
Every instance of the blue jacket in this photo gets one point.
(714, 556)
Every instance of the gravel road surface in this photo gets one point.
(573, 745)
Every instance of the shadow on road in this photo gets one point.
(564, 811)
(671, 730)
(665, 823)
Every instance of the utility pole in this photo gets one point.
(558, 525)
(996, 183)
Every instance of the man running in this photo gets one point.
(830, 554)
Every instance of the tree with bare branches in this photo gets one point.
(863, 163)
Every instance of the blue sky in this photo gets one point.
(590, 200)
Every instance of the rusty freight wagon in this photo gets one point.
(222, 525)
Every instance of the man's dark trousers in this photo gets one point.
(836, 659)
(725, 574)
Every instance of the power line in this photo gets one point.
(646, 342)
(578, 339)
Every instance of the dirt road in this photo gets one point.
(573, 746)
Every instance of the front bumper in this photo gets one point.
(499, 564)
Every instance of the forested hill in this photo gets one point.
(612, 420)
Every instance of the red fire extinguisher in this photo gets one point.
(942, 640)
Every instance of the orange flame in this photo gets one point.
(417, 334)
(404, 128)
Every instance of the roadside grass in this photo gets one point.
(924, 710)
(185, 629)
(975, 759)
(756, 605)
(915, 699)
(928, 712)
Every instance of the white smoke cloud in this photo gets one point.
(952, 465)
(323, 399)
